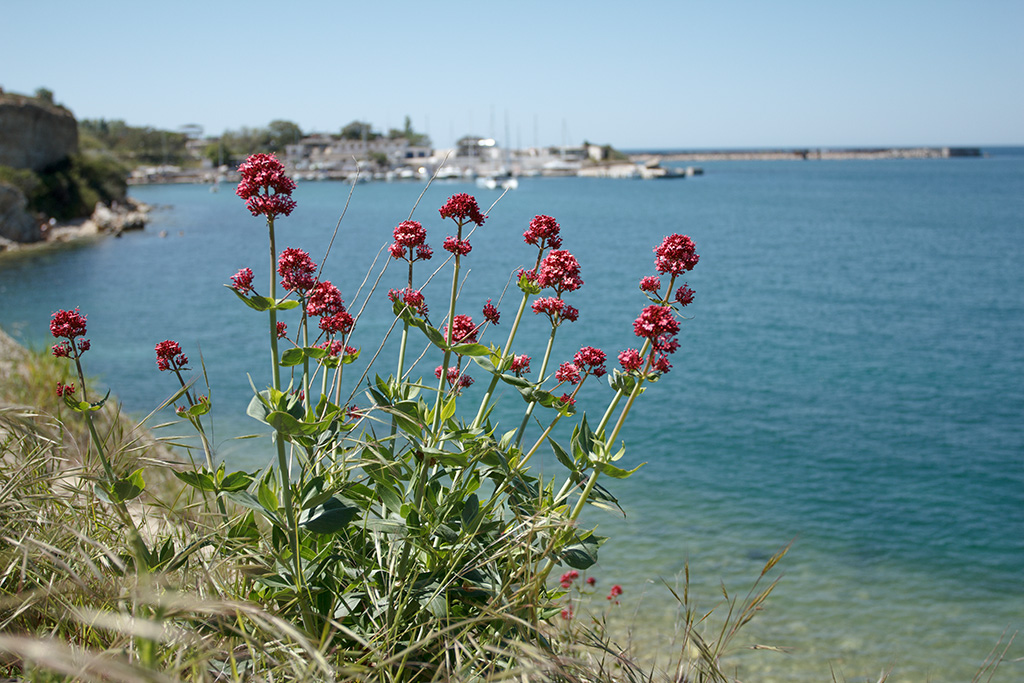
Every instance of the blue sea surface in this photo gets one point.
(851, 379)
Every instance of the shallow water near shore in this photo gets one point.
(852, 379)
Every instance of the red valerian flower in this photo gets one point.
(265, 187)
(397, 251)
(570, 314)
(491, 313)
(169, 356)
(543, 228)
(561, 271)
(568, 372)
(665, 344)
(297, 270)
(410, 234)
(457, 246)
(61, 350)
(324, 299)
(591, 580)
(67, 324)
(462, 208)
(591, 360)
(65, 389)
(520, 365)
(413, 298)
(661, 363)
(651, 283)
(568, 578)
(684, 295)
(567, 613)
(341, 322)
(615, 592)
(282, 330)
(675, 255)
(335, 348)
(567, 400)
(655, 321)
(463, 330)
(423, 252)
(454, 377)
(242, 281)
(84, 345)
(630, 360)
(550, 305)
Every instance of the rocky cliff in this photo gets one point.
(34, 135)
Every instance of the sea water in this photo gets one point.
(850, 380)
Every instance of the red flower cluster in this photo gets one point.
(265, 187)
(413, 298)
(655, 321)
(568, 578)
(65, 389)
(590, 360)
(651, 283)
(242, 281)
(463, 330)
(455, 378)
(568, 372)
(543, 228)
(339, 323)
(297, 270)
(684, 295)
(457, 246)
(67, 324)
(324, 299)
(410, 235)
(169, 356)
(556, 309)
(491, 313)
(567, 400)
(282, 330)
(520, 365)
(675, 255)
(462, 208)
(561, 271)
(615, 592)
(335, 348)
(630, 360)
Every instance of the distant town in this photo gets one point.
(389, 158)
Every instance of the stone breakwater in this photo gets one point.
(809, 154)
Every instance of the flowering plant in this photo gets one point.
(409, 513)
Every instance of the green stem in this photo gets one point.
(543, 369)
(282, 460)
(506, 351)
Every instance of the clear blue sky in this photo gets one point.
(690, 74)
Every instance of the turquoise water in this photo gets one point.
(852, 379)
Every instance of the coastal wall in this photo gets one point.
(810, 154)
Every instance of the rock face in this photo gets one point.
(33, 135)
(16, 223)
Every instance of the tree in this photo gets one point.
(45, 95)
(283, 133)
(409, 134)
(359, 130)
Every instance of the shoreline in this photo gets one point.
(127, 215)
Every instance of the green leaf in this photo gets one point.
(334, 515)
(267, 498)
(470, 511)
(258, 303)
(286, 304)
(247, 500)
(435, 337)
(583, 553)
(129, 488)
(258, 408)
(562, 456)
(292, 357)
(474, 350)
(236, 481)
(199, 480)
(616, 472)
(485, 363)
